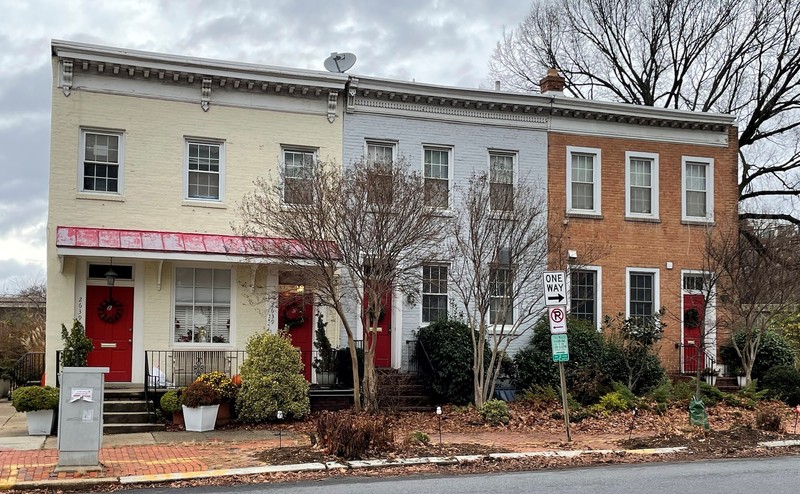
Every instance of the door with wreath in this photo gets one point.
(296, 314)
(693, 317)
(109, 323)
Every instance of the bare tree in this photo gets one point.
(22, 321)
(729, 56)
(356, 236)
(498, 248)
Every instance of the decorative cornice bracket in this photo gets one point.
(352, 90)
(205, 93)
(333, 99)
(66, 77)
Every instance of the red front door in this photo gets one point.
(693, 318)
(296, 310)
(382, 333)
(109, 323)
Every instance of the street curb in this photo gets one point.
(779, 444)
(312, 467)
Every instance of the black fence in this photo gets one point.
(28, 369)
(693, 360)
(165, 369)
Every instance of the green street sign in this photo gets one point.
(560, 347)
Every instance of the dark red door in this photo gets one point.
(109, 323)
(297, 312)
(382, 333)
(693, 317)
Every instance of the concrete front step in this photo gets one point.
(125, 406)
(125, 417)
(131, 428)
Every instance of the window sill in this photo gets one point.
(588, 216)
(99, 196)
(205, 347)
(204, 204)
(641, 219)
(697, 222)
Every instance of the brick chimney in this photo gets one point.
(552, 83)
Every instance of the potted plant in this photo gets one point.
(710, 374)
(39, 405)
(76, 345)
(325, 361)
(200, 403)
(227, 390)
(171, 404)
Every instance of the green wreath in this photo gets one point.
(293, 314)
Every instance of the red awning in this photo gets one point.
(176, 242)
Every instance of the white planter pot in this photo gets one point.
(200, 419)
(5, 386)
(711, 380)
(40, 422)
(742, 380)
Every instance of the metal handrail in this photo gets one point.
(27, 369)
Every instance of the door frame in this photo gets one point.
(710, 318)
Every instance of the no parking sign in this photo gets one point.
(558, 319)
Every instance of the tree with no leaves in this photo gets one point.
(726, 56)
(358, 236)
(498, 249)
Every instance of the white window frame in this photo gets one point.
(598, 273)
(233, 304)
(511, 286)
(654, 195)
(120, 160)
(422, 292)
(514, 155)
(450, 163)
(296, 149)
(596, 176)
(382, 143)
(709, 162)
(188, 141)
(656, 288)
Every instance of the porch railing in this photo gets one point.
(27, 369)
(690, 361)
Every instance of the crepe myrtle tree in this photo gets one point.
(498, 250)
(358, 234)
(740, 57)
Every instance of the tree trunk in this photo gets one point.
(370, 386)
(351, 344)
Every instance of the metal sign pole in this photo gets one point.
(564, 402)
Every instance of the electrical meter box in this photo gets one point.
(80, 416)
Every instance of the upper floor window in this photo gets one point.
(501, 181)
(698, 189)
(202, 305)
(501, 294)
(437, 177)
(204, 169)
(583, 180)
(583, 297)
(101, 162)
(380, 152)
(641, 185)
(298, 170)
(434, 293)
(642, 292)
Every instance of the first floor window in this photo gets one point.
(204, 168)
(101, 161)
(501, 181)
(434, 293)
(202, 305)
(298, 170)
(583, 295)
(641, 294)
(437, 178)
(501, 307)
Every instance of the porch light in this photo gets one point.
(111, 276)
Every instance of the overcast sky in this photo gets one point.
(446, 42)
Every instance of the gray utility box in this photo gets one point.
(80, 416)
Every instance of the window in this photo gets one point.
(298, 170)
(641, 185)
(695, 282)
(434, 293)
(204, 170)
(583, 297)
(642, 292)
(101, 162)
(380, 157)
(501, 181)
(437, 178)
(698, 189)
(583, 180)
(380, 152)
(202, 305)
(501, 308)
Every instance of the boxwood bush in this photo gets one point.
(34, 398)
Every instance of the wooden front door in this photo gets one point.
(109, 323)
(382, 333)
(693, 318)
(296, 310)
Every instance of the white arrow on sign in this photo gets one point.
(555, 288)
(558, 320)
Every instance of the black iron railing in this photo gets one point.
(166, 369)
(28, 369)
(693, 360)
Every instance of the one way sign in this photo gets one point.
(555, 288)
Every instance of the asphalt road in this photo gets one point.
(760, 475)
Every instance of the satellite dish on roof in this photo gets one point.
(339, 62)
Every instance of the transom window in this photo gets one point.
(583, 180)
(298, 170)
(434, 293)
(501, 307)
(695, 282)
(202, 306)
(583, 295)
(101, 162)
(641, 294)
(642, 184)
(204, 166)
(501, 181)
(437, 178)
